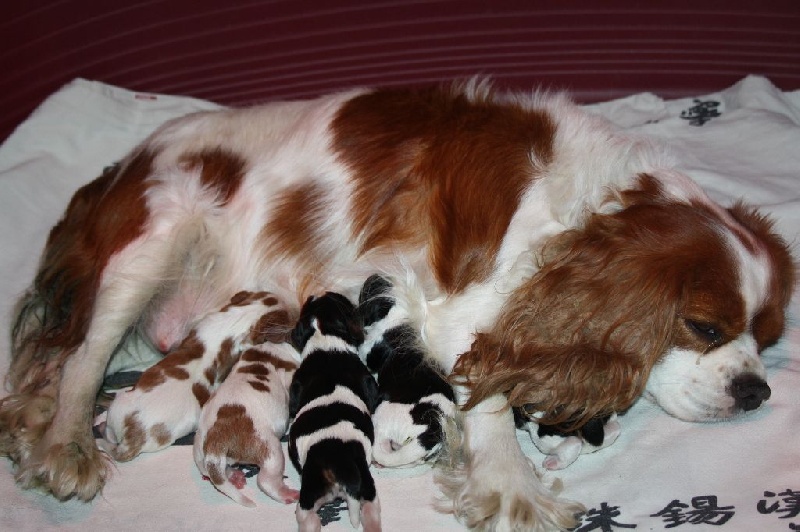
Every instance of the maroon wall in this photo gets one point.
(239, 52)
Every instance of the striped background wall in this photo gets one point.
(239, 52)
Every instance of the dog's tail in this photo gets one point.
(216, 468)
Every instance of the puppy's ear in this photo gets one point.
(295, 391)
(303, 329)
(374, 303)
(372, 397)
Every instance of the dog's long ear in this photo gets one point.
(578, 339)
(571, 384)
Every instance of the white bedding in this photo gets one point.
(743, 475)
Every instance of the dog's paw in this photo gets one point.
(23, 421)
(73, 469)
(494, 493)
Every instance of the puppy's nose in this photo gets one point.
(749, 391)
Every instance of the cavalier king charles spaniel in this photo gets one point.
(552, 261)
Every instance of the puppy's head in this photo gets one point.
(688, 292)
(407, 434)
(330, 315)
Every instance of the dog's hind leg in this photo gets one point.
(270, 476)
(66, 461)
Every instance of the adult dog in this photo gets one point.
(553, 262)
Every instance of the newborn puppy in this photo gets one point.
(563, 447)
(414, 394)
(166, 401)
(332, 397)
(243, 421)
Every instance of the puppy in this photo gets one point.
(563, 447)
(243, 421)
(332, 396)
(414, 394)
(166, 401)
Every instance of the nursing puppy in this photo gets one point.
(243, 422)
(331, 398)
(166, 401)
(563, 447)
(414, 394)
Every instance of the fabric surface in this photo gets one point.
(744, 475)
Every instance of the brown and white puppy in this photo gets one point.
(332, 398)
(165, 403)
(243, 422)
(560, 263)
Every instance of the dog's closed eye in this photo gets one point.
(706, 332)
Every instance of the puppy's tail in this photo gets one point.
(222, 476)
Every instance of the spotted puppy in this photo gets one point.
(563, 447)
(243, 421)
(165, 403)
(414, 394)
(332, 397)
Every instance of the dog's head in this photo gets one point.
(331, 315)
(407, 434)
(675, 298)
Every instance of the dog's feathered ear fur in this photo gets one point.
(578, 339)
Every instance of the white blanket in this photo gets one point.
(743, 475)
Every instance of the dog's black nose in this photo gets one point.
(749, 391)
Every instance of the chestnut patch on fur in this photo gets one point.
(273, 327)
(161, 434)
(170, 367)
(134, 435)
(200, 393)
(220, 169)
(436, 167)
(294, 230)
(233, 429)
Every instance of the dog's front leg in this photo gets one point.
(498, 488)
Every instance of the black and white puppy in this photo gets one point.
(563, 447)
(414, 394)
(331, 398)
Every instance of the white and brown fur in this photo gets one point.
(331, 398)
(562, 232)
(562, 447)
(414, 394)
(165, 403)
(243, 421)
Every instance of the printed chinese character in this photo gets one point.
(330, 512)
(602, 519)
(789, 505)
(705, 511)
(701, 112)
